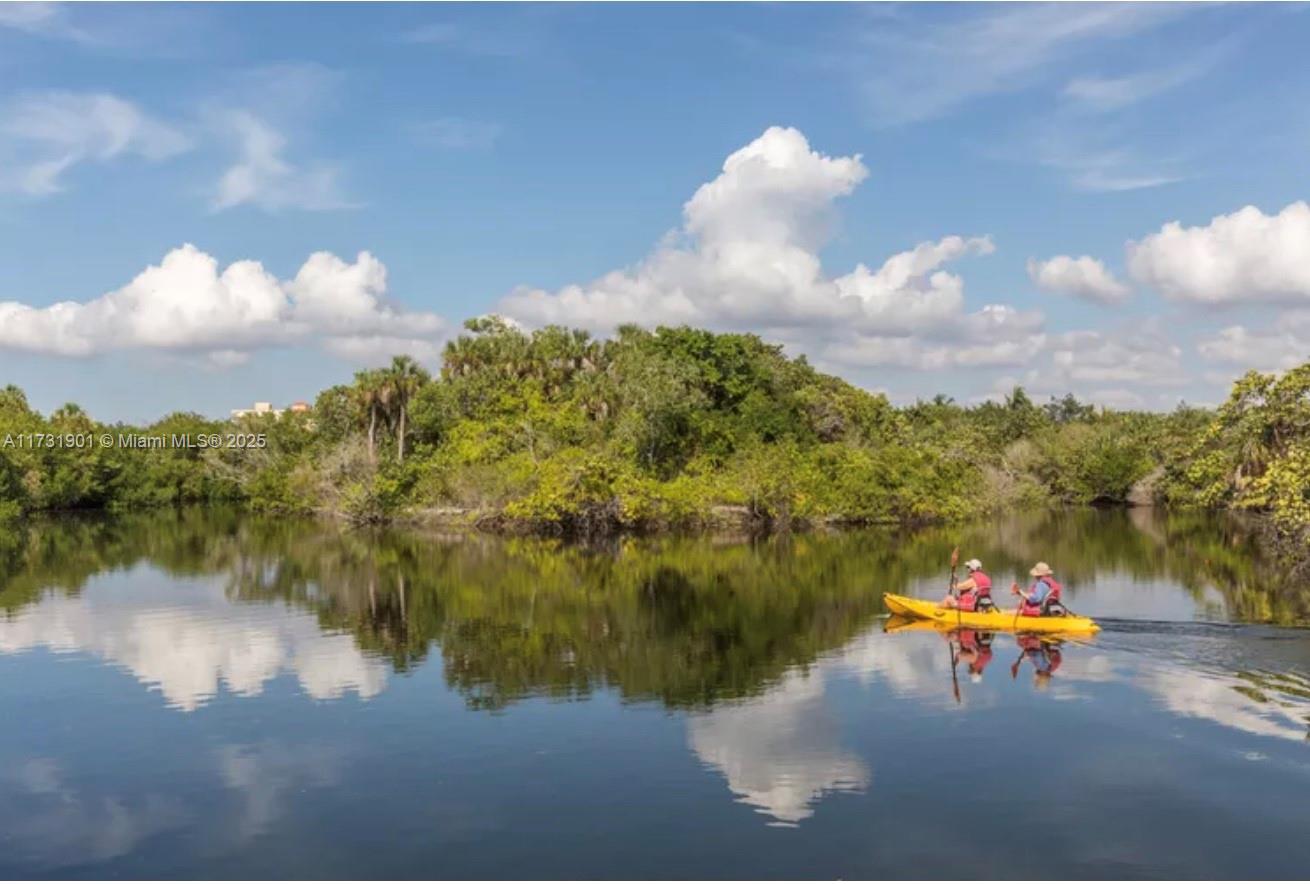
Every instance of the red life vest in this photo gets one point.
(982, 586)
(1053, 595)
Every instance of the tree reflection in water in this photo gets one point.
(745, 637)
(683, 621)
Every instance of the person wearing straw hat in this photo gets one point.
(1043, 597)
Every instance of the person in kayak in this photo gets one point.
(974, 593)
(1042, 598)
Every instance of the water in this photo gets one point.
(208, 694)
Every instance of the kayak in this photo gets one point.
(995, 621)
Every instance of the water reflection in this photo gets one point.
(780, 752)
(200, 600)
(187, 639)
(53, 823)
(773, 655)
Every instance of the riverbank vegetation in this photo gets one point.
(556, 431)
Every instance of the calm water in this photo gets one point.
(205, 694)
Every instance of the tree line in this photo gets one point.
(556, 430)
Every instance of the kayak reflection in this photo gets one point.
(972, 650)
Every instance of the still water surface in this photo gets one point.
(209, 694)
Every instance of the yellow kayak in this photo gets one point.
(996, 621)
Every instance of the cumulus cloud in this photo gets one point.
(187, 303)
(1240, 258)
(1145, 357)
(747, 257)
(1273, 349)
(997, 335)
(44, 135)
(1083, 277)
(1131, 367)
(262, 176)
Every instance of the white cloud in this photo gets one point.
(1240, 258)
(43, 135)
(996, 335)
(747, 257)
(1083, 277)
(1275, 349)
(262, 175)
(185, 303)
(1141, 357)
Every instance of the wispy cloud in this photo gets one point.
(916, 69)
(262, 175)
(162, 30)
(500, 42)
(260, 114)
(1113, 93)
(45, 19)
(1098, 153)
(457, 133)
(44, 135)
(1097, 93)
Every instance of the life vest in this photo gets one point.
(982, 588)
(1052, 596)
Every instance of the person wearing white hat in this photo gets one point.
(974, 593)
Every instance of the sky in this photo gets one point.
(202, 206)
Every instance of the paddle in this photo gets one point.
(955, 560)
(1014, 668)
(955, 680)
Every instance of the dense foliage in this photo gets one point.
(555, 430)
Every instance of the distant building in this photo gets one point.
(266, 409)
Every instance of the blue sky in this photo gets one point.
(921, 198)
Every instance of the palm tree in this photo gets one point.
(404, 379)
(367, 394)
